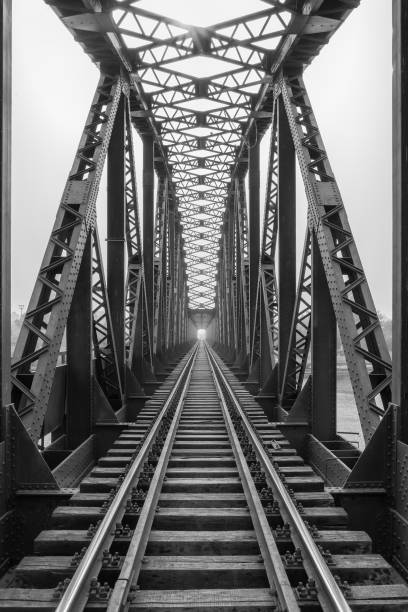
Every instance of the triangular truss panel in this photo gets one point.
(198, 79)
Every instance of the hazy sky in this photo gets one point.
(349, 86)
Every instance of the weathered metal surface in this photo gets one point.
(324, 353)
(55, 415)
(400, 220)
(330, 467)
(300, 334)
(115, 233)
(104, 342)
(270, 302)
(376, 465)
(253, 232)
(79, 369)
(399, 538)
(401, 479)
(134, 280)
(148, 226)
(243, 259)
(286, 260)
(26, 468)
(70, 471)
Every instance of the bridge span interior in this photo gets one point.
(143, 468)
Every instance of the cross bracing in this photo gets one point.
(202, 91)
(202, 119)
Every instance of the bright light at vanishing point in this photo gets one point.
(201, 334)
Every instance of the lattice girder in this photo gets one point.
(300, 333)
(39, 342)
(237, 59)
(360, 330)
(106, 358)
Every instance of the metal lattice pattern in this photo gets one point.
(103, 341)
(270, 227)
(270, 231)
(360, 330)
(159, 255)
(300, 335)
(201, 121)
(39, 342)
(132, 210)
(134, 279)
(242, 240)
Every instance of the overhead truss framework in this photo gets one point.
(200, 90)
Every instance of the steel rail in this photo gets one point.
(134, 557)
(329, 592)
(76, 595)
(277, 575)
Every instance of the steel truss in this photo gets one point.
(135, 279)
(360, 331)
(300, 335)
(39, 343)
(106, 357)
(241, 226)
(202, 150)
(160, 260)
(267, 294)
(203, 126)
(200, 144)
(362, 338)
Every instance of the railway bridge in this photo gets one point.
(143, 468)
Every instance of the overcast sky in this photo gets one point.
(349, 86)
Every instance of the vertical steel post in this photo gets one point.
(148, 225)
(254, 236)
(239, 254)
(177, 275)
(79, 354)
(171, 275)
(266, 367)
(5, 132)
(164, 288)
(287, 233)
(324, 357)
(232, 274)
(243, 247)
(116, 233)
(400, 214)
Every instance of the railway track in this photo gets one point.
(201, 504)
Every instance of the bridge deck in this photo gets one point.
(203, 526)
